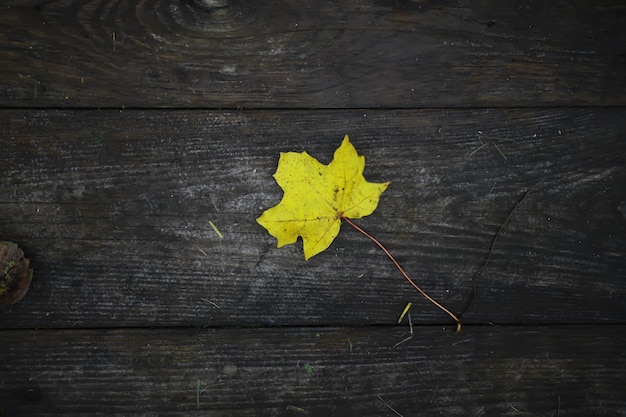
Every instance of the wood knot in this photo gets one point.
(15, 274)
(210, 5)
(206, 16)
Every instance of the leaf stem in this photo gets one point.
(404, 274)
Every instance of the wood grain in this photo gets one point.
(113, 208)
(311, 54)
(124, 139)
(314, 372)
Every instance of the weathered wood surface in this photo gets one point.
(311, 54)
(114, 208)
(135, 298)
(315, 372)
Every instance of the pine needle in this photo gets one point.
(198, 393)
(406, 310)
(219, 234)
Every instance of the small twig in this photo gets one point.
(498, 149)
(404, 274)
(406, 339)
(483, 144)
(206, 300)
(213, 202)
(388, 406)
(37, 376)
(410, 325)
(461, 341)
(476, 150)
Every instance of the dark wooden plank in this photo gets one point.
(311, 54)
(113, 209)
(503, 371)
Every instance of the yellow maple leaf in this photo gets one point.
(318, 196)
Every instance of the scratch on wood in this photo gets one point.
(470, 297)
(262, 257)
